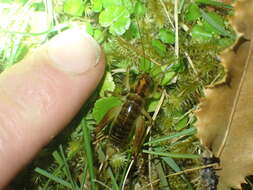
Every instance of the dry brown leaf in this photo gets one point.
(225, 118)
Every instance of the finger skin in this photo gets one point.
(37, 101)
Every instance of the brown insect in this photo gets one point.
(125, 124)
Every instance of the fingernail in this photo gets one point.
(74, 51)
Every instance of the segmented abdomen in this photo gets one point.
(124, 124)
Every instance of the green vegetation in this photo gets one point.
(180, 50)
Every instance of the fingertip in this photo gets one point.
(44, 92)
(69, 49)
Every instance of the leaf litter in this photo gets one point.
(225, 115)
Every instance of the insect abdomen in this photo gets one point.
(124, 124)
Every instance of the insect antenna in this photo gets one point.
(141, 36)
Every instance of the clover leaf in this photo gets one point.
(167, 36)
(96, 5)
(200, 34)
(117, 18)
(193, 12)
(103, 105)
(159, 47)
(108, 84)
(74, 7)
(111, 3)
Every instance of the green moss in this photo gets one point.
(143, 42)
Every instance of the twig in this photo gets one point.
(150, 166)
(176, 29)
(179, 173)
(158, 107)
(167, 14)
(101, 183)
(191, 63)
(128, 170)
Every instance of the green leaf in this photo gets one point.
(88, 152)
(21, 52)
(156, 71)
(159, 47)
(96, 5)
(173, 155)
(225, 42)
(193, 12)
(6, 1)
(214, 3)
(117, 18)
(214, 23)
(139, 9)
(156, 95)
(211, 20)
(179, 67)
(103, 105)
(99, 36)
(40, 6)
(120, 27)
(132, 32)
(89, 29)
(129, 4)
(111, 3)
(74, 7)
(54, 178)
(190, 131)
(181, 124)
(167, 36)
(168, 78)
(200, 34)
(107, 17)
(108, 84)
(145, 66)
(152, 105)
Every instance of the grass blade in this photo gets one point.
(163, 180)
(214, 3)
(190, 131)
(173, 155)
(89, 155)
(84, 177)
(67, 170)
(176, 168)
(55, 29)
(53, 178)
(212, 22)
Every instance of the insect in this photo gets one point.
(125, 123)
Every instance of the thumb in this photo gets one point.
(40, 95)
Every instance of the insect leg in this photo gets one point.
(146, 114)
(140, 131)
(127, 83)
(107, 119)
(139, 136)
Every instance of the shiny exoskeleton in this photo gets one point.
(122, 128)
(125, 122)
(209, 179)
